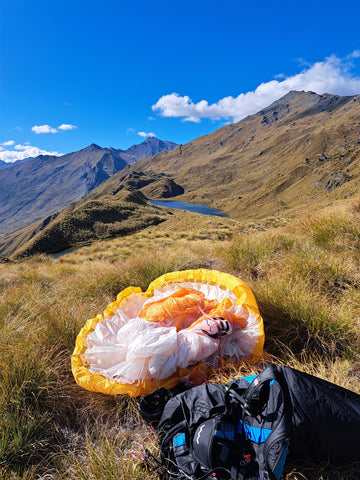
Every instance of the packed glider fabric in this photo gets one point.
(184, 323)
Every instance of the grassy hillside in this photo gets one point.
(83, 222)
(298, 154)
(304, 274)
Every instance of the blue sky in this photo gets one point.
(112, 72)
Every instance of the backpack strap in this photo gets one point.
(257, 393)
(255, 398)
(176, 452)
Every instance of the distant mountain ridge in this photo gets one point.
(38, 187)
(3, 164)
(9, 164)
(150, 147)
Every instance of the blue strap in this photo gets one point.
(179, 440)
(255, 434)
(281, 463)
(249, 378)
(226, 431)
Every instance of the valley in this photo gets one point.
(298, 155)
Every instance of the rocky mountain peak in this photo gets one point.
(92, 147)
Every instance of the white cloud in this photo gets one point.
(354, 54)
(10, 142)
(144, 134)
(23, 151)
(67, 126)
(47, 129)
(43, 129)
(329, 76)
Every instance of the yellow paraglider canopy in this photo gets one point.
(173, 332)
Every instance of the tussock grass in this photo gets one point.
(305, 278)
(28, 385)
(250, 253)
(303, 321)
(306, 281)
(108, 456)
(334, 230)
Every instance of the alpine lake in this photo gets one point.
(190, 207)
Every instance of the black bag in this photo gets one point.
(244, 430)
(325, 418)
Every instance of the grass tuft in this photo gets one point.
(303, 321)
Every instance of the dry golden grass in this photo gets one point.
(305, 277)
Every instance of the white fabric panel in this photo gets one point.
(127, 349)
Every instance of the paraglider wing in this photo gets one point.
(175, 331)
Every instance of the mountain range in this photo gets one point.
(299, 154)
(33, 189)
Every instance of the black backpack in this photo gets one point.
(245, 430)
